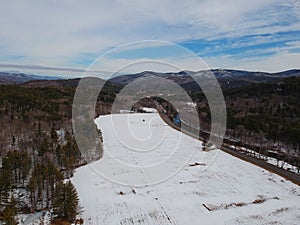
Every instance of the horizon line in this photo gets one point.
(80, 70)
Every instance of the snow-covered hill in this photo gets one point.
(210, 189)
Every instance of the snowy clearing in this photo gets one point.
(229, 191)
(38, 218)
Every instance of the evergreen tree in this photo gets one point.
(44, 147)
(19, 164)
(42, 183)
(66, 201)
(32, 188)
(5, 184)
(25, 165)
(10, 212)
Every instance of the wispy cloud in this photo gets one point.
(58, 71)
(68, 34)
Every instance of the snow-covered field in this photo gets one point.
(228, 191)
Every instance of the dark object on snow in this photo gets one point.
(197, 164)
(206, 207)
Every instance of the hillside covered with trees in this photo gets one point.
(38, 152)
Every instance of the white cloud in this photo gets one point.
(59, 33)
(281, 61)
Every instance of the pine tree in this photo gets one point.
(32, 188)
(66, 201)
(5, 184)
(25, 166)
(44, 147)
(44, 179)
(10, 212)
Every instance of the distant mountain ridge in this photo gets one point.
(19, 78)
(226, 77)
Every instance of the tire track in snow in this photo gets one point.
(171, 219)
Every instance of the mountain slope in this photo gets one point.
(226, 78)
(19, 78)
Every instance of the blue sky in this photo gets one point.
(249, 45)
(258, 35)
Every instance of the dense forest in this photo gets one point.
(271, 110)
(38, 152)
(263, 116)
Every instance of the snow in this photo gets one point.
(61, 136)
(148, 110)
(210, 189)
(191, 104)
(38, 218)
(126, 111)
(274, 161)
(285, 166)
